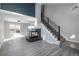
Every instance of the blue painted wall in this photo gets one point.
(23, 8)
(0, 6)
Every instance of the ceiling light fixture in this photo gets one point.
(75, 7)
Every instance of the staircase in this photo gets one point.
(51, 26)
(48, 36)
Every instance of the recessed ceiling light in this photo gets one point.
(72, 36)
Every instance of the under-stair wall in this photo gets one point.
(47, 35)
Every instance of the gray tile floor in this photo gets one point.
(21, 47)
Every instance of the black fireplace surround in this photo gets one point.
(34, 35)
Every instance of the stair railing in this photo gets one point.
(51, 26)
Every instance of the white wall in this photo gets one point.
(1, 29)
(24, 29)
(6, 30)
(63, 16)
(38, 13)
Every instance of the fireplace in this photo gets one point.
(34, 35)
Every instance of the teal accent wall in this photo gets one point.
(22, 8)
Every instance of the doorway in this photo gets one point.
(14, 31)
